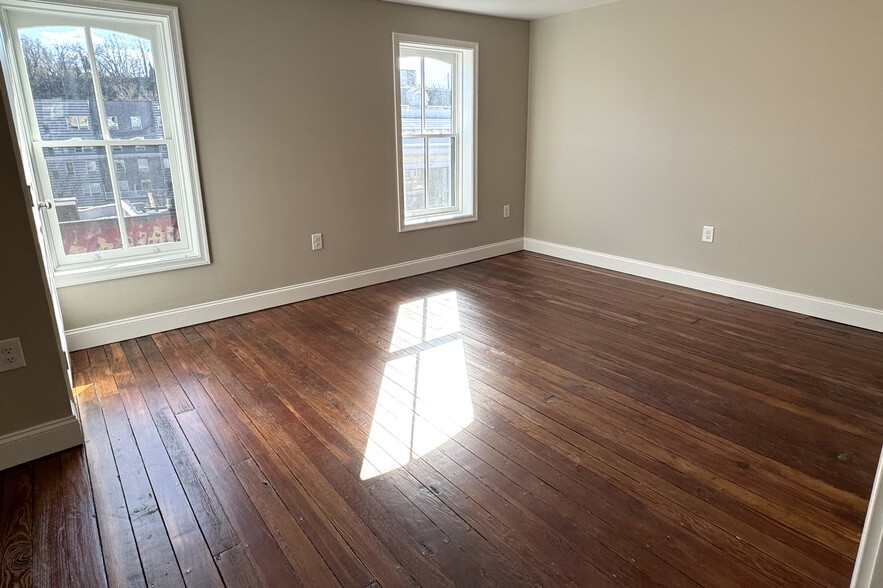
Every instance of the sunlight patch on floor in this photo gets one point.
(424, 398)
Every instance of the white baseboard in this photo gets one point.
(841, 312)
(39, 441)
(147, 324)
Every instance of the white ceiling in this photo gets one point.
(523, 9)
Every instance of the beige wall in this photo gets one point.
(38, 392)
(294, 115)
(764, 118)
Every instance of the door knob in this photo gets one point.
(47, 204)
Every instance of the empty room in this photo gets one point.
(370, 293)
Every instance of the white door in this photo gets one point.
(40, 207)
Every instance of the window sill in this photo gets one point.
(436, 220)
(128, 268)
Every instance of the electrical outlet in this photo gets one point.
(11, 356)
(317, 241)
(708, 234)
(505, 211)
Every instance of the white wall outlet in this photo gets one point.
(505, 211)
(11, 356)
(708, 234)
(317, 241)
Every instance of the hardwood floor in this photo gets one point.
(517, 421)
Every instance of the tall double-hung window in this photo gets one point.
(100, 101)
(436, 127)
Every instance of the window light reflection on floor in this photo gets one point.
(424, 397)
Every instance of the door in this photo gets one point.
(40, 206)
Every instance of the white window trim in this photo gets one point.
(180, 117)
(465, 169)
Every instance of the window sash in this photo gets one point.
(463, 57)
(160, 25)
(455, 193)
(127, 250)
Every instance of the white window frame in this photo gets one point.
(464, 102)
(113, 123)
(124, 16)
(139, 126)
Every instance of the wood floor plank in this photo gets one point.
(659, 565)
(227, 391)
(236, 568)
(151, 535)
(519, 421)
(121, 560)
(300, 410)
(205, 504)
(703, 407)
(267, 558)
(791, 538)
(384, 524)
(67, 549)
(806, 481)
(191, 551)
(17, 526)
(300, 552)
(347, 415)
(182, 363)
(174, 394)
(305, 412)
(370, 549)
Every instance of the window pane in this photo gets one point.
(147, 195)
(412, 94)
(441, 173)
(438, 96)
(414, 157)
(83, 200)
(128, 85)
(60, 78)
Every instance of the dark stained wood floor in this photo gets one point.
(517, 421)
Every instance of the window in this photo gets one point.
(140, 148)
(436, 128)
(94, 189)
(78, 122)
(71, 62)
